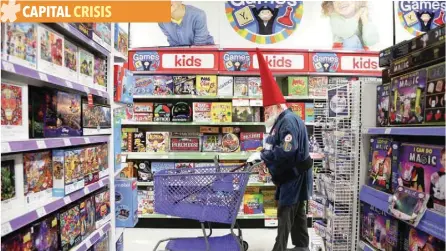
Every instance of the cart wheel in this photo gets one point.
(245, 245)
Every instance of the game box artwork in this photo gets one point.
(211, 143)
(309, 112)
(84, 28)
(14, 110)
(230, 143)
(143, 170)
(99, 74)
(317, 86)
(383, 163)
(253, 204)
(121, 40)
(20, 44)
(145, 202)
(379, 228)
(241, 86)
(298, 86)
(201, 112)
(435, 95)
(68, 118)
(38, 176)
(8, 179)
(159, 166)
(102, 205)
(157, 142)
(181, 112)
(184, 85)
(162, 85)
(102, 153)
(70, 61)
(206, 85)
(382, 112)
(103, 243)
(126, 202)
(70, 228)
(254, 87)
(123, 83)
(416, 240)
(139, 141)
(18, 241)
(50, 50)
(185, 144)
(101, 33)
(162, 112)
(408, 205)
(68, 175)
(407, 98)
(221, 112)
(225, 86)
(422, 168)
(86, 67)
(90, 165)
(242, 114)
(143, 107)
(45, 234)
(96, 119)
(144, 85)
(298, 109)
(251, 141)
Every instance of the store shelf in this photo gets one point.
(183, 97)
(305, 98)
(19, 217)
(130, 122)
(188, 155)
(119, 231)
(50, 143)
(118, 56)
(92, 238)
(364, 246)
(251, 217)
(413, 131)
(431, 223)
(149, 183)
(48, 78)
(144, 183)
(241, 217)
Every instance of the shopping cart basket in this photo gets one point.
(207, 194)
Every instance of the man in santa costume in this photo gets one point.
(287, 157)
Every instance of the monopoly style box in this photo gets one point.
(126, 202)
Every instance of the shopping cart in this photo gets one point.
(207, 194)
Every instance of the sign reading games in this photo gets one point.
(418, 17)
(264, 22)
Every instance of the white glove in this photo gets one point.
(255, 156)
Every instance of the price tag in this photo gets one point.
(361, 245)
(255, 102)
(41, 212)
(88, 243)
(6, 148)
(87, 140)
(165, 156)
(86, 190)
(67, 142)
(86, 89)
(69, 84)
(101, 183)
(123, 158)
(8, 66)
(43, 76)
(41, 144)
(6, 228)
(67, 200)
(271, 222)
(66, 25)
(101, 232)
(387, 131)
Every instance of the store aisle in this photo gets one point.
(136, 239)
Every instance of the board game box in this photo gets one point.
(162, 85)
(184, 165)
(242, 114)
(102, 207)
(14, 103)
(143, 107)
(103, 243)
(38, 176)
(336, 81)
(162, 112)
(99, 75)
(415, 240)
(50, 51)
(20, 44)
(70, 227)
(145, 201)
(86, 67)
(143, 117)
(12, 189)
(65, 120)
(251, 141)
(383, 163)
(225, 86)
(87, 216)
(407, 98)
(206, 85)
(253, 203)
(382, 113)
(101, 34)
(45, 234)
(96, 119)
(184, 85)
(143, 170)
(211, 143)
(230, 143)
(126, 203)
(70, 70)
(90, 165)
(121, 41)
(298, 109)
(181, 112)
(102, 153)
(435, 95)
(241, 86)
(254, 87)
(309, 112)
(202, 111)
(421, 168)
(159, 166)
(68, 175)
(221, 112)
(128, 171)
(144, 85)
(157, 142)
(209, 129)
(84, 28)
(123, 83)
(317, 86)
(139, 141)
(185, 144)
(18, 240)
(298, 86)
(127, 139)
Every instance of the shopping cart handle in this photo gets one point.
(246, 164)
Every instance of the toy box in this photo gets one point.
(128, 171)
(211, 143)
(206, 85)
(159, 166)
(209, 129)
(86, 67)
(67, 121)
(309, 112)
(221, 112)
(407, 98)
(241, 86)
(20, 44)
(87, 216)
(162, 112)
(38, 176)
(336, 81)
(143, 117)
(102, 207)
(184, 85)
(269, 198)
(90, 166)
(144, 172)
(383, 163)
(421, 167)
(184, 165)
(96, 119)
(126, 202)
(298, 109)
(145, 201)
(102, 153)
(127, 139)
(37, 102)
(254, 87)
(139, 141)
(101, 34)
(143, 107)
(435, 95)
(84, 28)
(99, 74)
(230, 143)
(225, 86)
(121, 40)
(181, 112)
(415, 240)
(408, 205)
(123, 83)
(253, 204)
(70, 227)
(12, 183)
(317, 86)
(70, 70)
(185, 144)
(251, 141)
(68, 175)
(50, 51)
(382, 112)
(162, 85)
(45, 234)
(143, 85)
(14, 103)
(18, 241)
(202, 111)
(379, 228)
(298, 86)
(157, 142)
(245, 114)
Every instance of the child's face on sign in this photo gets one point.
(344, 8)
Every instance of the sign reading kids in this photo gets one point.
(237, 60)
(264, 22)
(418, 17)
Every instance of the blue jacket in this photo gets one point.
(192, 30)
(286, 146)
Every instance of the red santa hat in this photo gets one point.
(272, 95)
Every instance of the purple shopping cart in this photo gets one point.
(207, 194)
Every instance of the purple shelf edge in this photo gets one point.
(431, 223)
(416, 131)
(94, 238)
(84, 38)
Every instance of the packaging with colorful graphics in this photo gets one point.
(127, 139)
(145, 201)
(435, 95)
(309, 112)
(87, 216)
(128, 171)
(20, 44)
(407, 98)
(269, 200)
(206, 85)
(144, 85)
(103, 244)
(123, 83)
(102, 153)
(18, 240)
(157, 141)
(38, 176)
(126, 203)
(70, 227)
(71, 57)
(202, 111)
(383, 163)
(184, 165)
(162, 112)
(84, 28)
(14, 98)
(379, 229)
(50, 51)
(221, 112)
(181, 112)
(102, 207)
(86, 67)
(415, 240)
(45, 234)
(12, 188)
(253, 204)
(408, 205)
(162, 85)
(422, 168)
(337, 81)
(68, 175)
(184, 85)
(143, 107)
(211, 143)
(254, 87)
(243, 114)
(225, 86)
(101, 34)
(96, 119)
(230, 143)
(209, 129)
(144, 171)
(143, 117)
(185, 144)
(99, 74)
(241, 86)
(298, 109)
(139, 141)
(317, 86)
(90, 165)
(251, 141)
(67, 119)
(382, 113)
(298, 86)
(121, 40)
(159, 166)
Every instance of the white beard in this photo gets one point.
(270, 122)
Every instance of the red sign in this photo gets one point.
(333, 62)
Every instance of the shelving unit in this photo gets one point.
(93, 238)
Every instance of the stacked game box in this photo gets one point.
(126, 202)
(143, 85)
(159, 166)
(245, 114)
(143, 170)
(254, 87)
(241, 86)
(162, 112)
(221, 112)
(145, 201)
(68, 175)
(317, 86)
(143, 111)
(298, 109)
(184, 85)
(383, 163)
(251, 141)
(225, 86)
(162, 85)
(211, 142)
(38, 176)
(202, 111)
(181, 112)
(157, 141)
(139, 141)
(206, 85)
(298, 86)
(123, 83)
